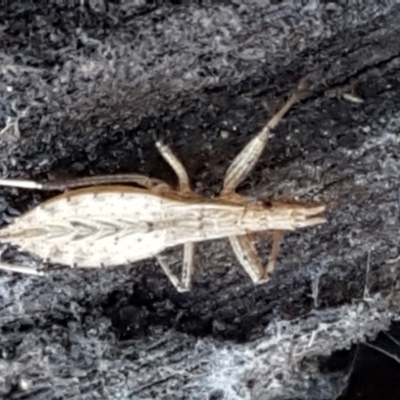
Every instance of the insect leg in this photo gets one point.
(187, 268)
(247, 255)
(139, 179)
(167, 270)
(244, 162)
(180, 287)
(276, 242)
(20, 269)
(176, 165)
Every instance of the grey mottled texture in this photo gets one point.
(86, 87)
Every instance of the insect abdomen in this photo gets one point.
(87, 227)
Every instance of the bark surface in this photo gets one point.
(87, 87)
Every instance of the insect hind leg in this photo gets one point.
(138, 179)
(20, 269)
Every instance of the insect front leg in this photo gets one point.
(248, 257)
(244, 162)
(139, 179)
(182, 285)
(176, 165)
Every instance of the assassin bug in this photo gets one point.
(103, 224)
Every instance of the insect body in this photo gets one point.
(105, 225)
